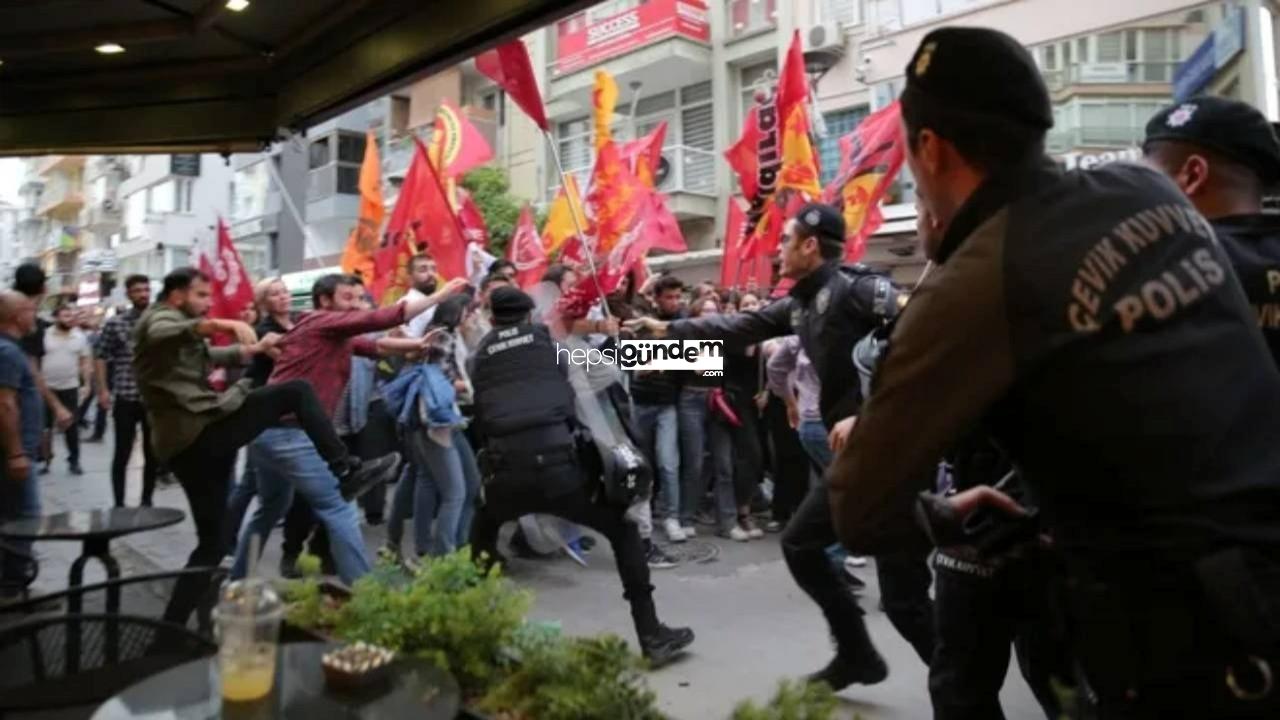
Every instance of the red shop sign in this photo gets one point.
(581, 45)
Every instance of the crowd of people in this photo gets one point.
(1068, 429)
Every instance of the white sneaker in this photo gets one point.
(674, 532)
(690, 531)
(855, 561)
(736, 533)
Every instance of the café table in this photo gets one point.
(95, 529)
(412, 689)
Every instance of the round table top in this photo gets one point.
(415, 689)
(90, 524)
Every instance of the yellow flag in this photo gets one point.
(560, 224)
(799, 161)
(603, 99)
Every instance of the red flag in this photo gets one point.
(644, 156)
(510, 67)
(457, 145)
(472, 219)
(526, 252)
(735, 230)
(757, 156)
(615, 198)
(870, 158)
(231, 286)
(422, 216)
(662, 228)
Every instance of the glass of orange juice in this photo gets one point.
(248, 626)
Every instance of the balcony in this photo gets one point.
(63, 239)
(1111, 73)
(689, 181)
(60, 163)
(651, 32)
(102, 217)
(60, 198)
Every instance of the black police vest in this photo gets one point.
(1252, 243)
(831, 310)
(518, 385)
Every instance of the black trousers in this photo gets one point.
(983, 610)
(204, 470)
(70, 399)
(790, 463)
(128, 415)
(904, 582)
(515, 492)
(91, 402)
(748, 461)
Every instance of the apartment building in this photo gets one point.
(10, 244)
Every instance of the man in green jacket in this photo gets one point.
(197, 431)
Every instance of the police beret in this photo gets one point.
(509, 302)
(983, 72)
(1230, 127)
(821, 220)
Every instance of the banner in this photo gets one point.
(357, 257)
(526, 252)
(583, 41)
(870, 158)
(457, 146)
(510, 67)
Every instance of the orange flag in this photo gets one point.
(457, 145)
(603, 100)
(615, 199)
(560, 225)
(357, 258)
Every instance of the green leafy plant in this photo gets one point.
(491, 191)
(792, 701)
(595, 678)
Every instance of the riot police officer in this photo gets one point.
(1091, 321)
(1223, 154)
(524, 406)
(830, 307)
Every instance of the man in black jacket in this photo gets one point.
(830, 308)
(524, 406)
(1223, 153)
(1092, 323)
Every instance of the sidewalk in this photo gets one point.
(754, 625)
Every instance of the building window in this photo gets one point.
(839, 124)
(319, 153)
(608, 9)
(349, 180)
(841, 12)
(351, 148)
(747, 17)
(182, 189)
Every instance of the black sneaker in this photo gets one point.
(362, 478)
(658, 558)
(662, 647)
(94, 439)
(76, 470)
(840, 673)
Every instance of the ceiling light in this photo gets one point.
(110, 49)
(237, 5)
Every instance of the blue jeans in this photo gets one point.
(238, 502)
(699, 433)
(449, 475)
(18, 499)
(285, 460)
(403, 502)
(813, 438)
(656, 428)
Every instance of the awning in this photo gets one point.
(194, 75)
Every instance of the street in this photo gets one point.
(754, 626)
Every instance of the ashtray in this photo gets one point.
(357, 666)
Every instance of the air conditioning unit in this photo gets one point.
(109, 205)
(663, 177)
(823, 47)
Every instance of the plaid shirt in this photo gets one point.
(115, 348)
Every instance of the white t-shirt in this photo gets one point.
(417, 327)
(62, 355)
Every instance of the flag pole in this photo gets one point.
(577, 224)
(291, 207)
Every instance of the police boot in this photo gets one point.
(856, 661)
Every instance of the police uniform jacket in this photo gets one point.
(830, 309)
(519, 383)
(1252, 243)
(1093, 320)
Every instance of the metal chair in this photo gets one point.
(65, 661)
(105, 597)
